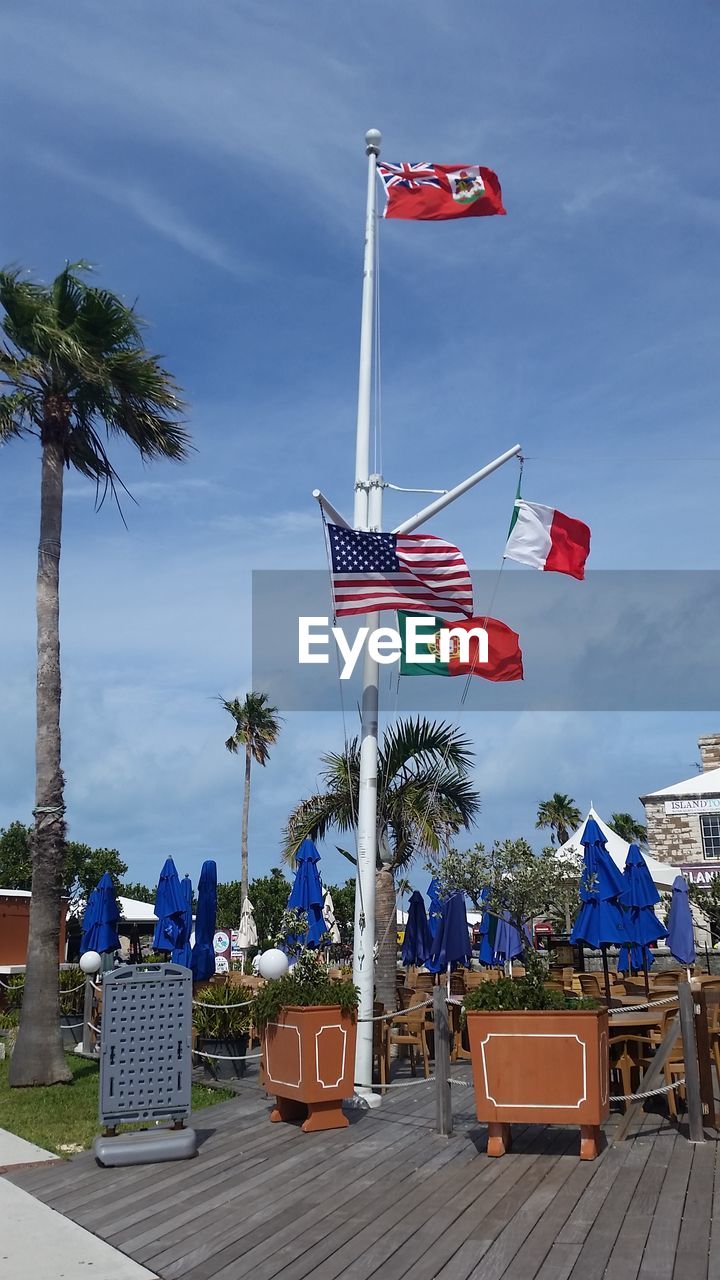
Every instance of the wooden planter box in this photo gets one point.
(309, 1064)
(546, 1067)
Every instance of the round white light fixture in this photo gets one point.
(90, 962)
(273, 963)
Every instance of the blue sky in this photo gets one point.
(209, 160)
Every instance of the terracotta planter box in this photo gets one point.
(546, 1067)
(309, 1064)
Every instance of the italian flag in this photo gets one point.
(504, 655)
(544, 538)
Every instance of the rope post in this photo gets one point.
(441, 1033)
(702, 1036)
(686, 1001)
(88, 1038)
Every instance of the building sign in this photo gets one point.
(221, 947)
(709, 804)
(701, 874)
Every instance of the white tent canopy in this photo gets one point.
(663, 873)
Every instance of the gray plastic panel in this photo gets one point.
(145, 1065)
(147, 1147)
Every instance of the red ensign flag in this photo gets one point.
(435, 192)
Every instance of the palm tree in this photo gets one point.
(424, 797)
(257, 727)
(628, 828)
(77, 374)
(560, 814)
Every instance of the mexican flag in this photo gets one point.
(544, 538)
(504, 655)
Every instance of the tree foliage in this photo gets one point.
(628, 828)
(517, 880)
(268, 895)
(560, 814)
(83, 865)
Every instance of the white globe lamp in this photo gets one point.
(90, 962)
(273, 963)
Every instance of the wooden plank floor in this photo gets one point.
(387, 1198)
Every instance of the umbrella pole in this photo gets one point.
(646, 974)
(606, 972)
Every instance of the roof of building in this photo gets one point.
(136, 912)
(15, 893)
(701, 784)
(663, 873)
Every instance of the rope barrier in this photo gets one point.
(637, 1008)
(226, 1057)
(397, 1013)
(70, 1026)
(210, 1004)
(651, 1093)
(405, 1084)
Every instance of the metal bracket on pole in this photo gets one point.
(440, 503)
(330, 511)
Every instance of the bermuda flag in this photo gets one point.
(504, 655)
(436, 192)
(546, 539)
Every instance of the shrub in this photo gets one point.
(72, 982)
(217, 1023)
(522, 994)
(306, 985)
(9, 1020)
(14, 992)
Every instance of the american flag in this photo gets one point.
(413, 176)
(410, 571)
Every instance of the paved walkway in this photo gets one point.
(35, 1241)
(388, 1199)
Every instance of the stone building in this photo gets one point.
(683, 820)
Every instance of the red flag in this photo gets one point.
(435, 192)
(504, 659)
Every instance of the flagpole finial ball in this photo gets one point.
(373, 138)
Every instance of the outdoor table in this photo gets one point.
(637, 1021)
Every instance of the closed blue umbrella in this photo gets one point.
(417, 942)
(101, 919)
(600, 920)
(451, 945)
(435, 900)
(182, 951)
(306, 894)
(202, 961)
(169, 909)
(643, 926)
(488, 931)
(508, 943)
(680, 933)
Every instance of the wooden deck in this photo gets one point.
(388, 1198)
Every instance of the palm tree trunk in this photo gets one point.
(386, 938)
(38, 1055)
(245, 816)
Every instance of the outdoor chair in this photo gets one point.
(590, 985)
(424, 982)
(629, 1057)
(474, 979)
(409, 1030)
(457, 983)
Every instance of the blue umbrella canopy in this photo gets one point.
(680, 934)
(417, 942)
(435, 900)
(508, 943)
(169, 909)
(488, 931)
(182, 951)
(600, 919)
(101, 918)
(639, 898)
(306, 894)
(202, 961)
(451, 945)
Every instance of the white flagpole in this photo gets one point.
(367, 515)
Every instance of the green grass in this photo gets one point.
(63, 1118)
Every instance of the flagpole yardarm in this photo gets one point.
(367, 515)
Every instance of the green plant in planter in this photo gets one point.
(216, 1023)
(306, 985)
(527, 994)
(72, 982)
(10, 1020)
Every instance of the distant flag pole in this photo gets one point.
(367, 515)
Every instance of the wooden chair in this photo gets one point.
(409, 1030)
(424, 982)
(590, 985)
(629, 1057)
(381, 1046)
(457, 983)
(475, 979)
